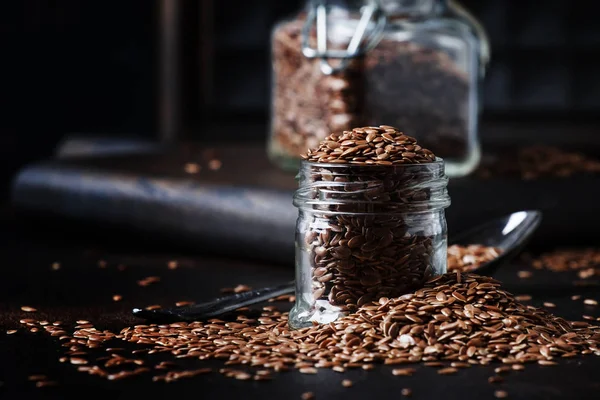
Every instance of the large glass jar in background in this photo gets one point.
(417, 65)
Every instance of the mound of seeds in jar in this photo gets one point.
(367, 243)
(454, 321)
(382, 145)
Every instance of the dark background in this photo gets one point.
(97, 67)
(72, 66)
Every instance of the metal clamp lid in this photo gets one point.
(318, 14)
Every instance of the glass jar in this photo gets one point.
(413, 64)
(366, 232)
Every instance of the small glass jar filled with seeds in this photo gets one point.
(371, 222)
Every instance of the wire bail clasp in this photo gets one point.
(318, 14)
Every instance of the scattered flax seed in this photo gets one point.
(549, 305)
(588, 317)
(406, 392)
(586, 283)
(37, 377)
(518, 367)
(192, 168)
(28, 309)
(590, 302)
(495, 379)
(283, 297)
(149, 280)
(500, 394)
(215, 164)
(242, 376)
(241, 289)
(153, 307)
(41, 384)
(11, 331)
(55, 266)
(403, 371)
(576, 297)
(523, 297)
(82, 322)
(183, 303)
(447, 371)
(125, 374)
(347, 383)
(307, 396)
(172, 264)
(507, 325)
(569, 260)
(502, 370)
(422, 327)
(524, 274)
(547, 362)
(117, 297)
(460, 365)
(587, 273)
(433, 364)
(78, 361)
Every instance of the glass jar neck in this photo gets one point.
(352, 188)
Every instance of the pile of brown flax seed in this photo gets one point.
(455, 321)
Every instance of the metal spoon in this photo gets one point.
(509, 233)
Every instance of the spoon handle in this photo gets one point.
(217, 306)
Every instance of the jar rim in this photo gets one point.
(438, 162)
(432, 210)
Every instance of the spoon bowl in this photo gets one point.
(509, 233)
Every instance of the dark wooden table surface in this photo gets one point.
(82, 290)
